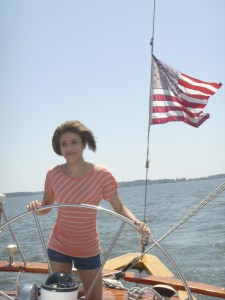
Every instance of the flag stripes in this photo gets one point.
(178, 97)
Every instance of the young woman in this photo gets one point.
(74, 238)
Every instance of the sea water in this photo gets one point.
(197, 246)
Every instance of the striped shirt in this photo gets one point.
(75, 232)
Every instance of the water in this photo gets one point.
(198, 246)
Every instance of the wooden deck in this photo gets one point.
(150, 263)
(31, 267)
(195, 287)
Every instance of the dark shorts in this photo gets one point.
(83, 263)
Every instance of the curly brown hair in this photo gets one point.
(77, 127)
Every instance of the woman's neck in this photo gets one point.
(77, 169)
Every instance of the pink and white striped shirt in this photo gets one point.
(75, 232)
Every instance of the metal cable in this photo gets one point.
(6, 296)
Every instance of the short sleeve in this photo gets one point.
(48, 185)
(110, 185)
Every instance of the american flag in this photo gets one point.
(178, 97)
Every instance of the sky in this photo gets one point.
(91, 61)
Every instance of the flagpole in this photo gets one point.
(149, 125)
(152, 50)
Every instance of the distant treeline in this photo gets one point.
(129, 183)
(158, 181)
(23, 194)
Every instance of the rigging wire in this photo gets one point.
(203, 203)
(144, 241)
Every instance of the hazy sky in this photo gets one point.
(90, 61)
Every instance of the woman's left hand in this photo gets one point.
(143, 228)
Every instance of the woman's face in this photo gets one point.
(71, 146)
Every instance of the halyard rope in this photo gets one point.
(133, 293)
(113, 283)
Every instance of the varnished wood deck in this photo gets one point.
(31, 267)
(150, 263)
(195, 287)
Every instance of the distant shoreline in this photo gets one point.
(140, 182)
(160, 181)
